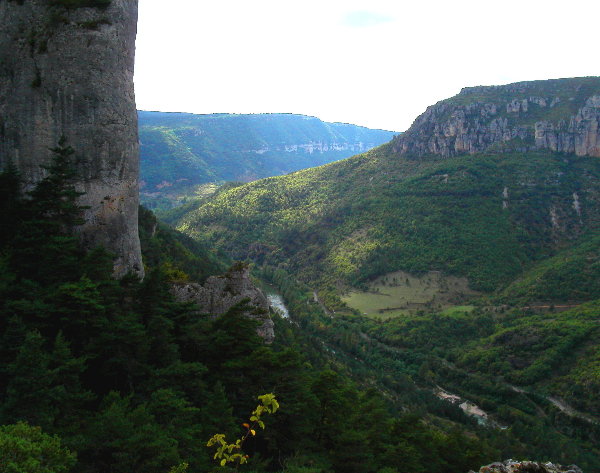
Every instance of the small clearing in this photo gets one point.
(401, 293)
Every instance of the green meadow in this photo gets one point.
(400, 293)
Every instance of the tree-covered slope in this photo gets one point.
(122, 378)
(486, 217)
(530, 377)
(181, 150)
(573, 275)
(176, 254)
(512, 218)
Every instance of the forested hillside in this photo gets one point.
(181, 151)
(507, 222)
(122, 378)
(481, 268)
(486, 217)
(443, 299)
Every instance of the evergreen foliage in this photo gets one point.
(26, 449)
(133, 381)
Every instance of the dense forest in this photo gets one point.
(522, 229)
(101, 375)
(486, 217)
(280, 303)
(443, 314)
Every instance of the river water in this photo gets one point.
(276, 302)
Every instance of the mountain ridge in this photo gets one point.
(181, 151)
(263, 114)
(384, 211)
(560, 115)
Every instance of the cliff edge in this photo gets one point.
(561, 115)
(66, 69)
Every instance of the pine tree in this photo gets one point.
(11, 204)
(29, 385)
(55, 198)
(45, 249)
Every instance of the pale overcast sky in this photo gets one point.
(377, 63)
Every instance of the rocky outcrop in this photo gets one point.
(316, 147)
(580, 135)
(561, 115)
(68, 71)
(511, 466)
(220, 293)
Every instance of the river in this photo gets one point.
(276, 302)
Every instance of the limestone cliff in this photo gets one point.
(219, 293)
(561, 115)
(511, 466)
(66, 69)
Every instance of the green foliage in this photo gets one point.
(183, 468)
(26, 449)
(42, 247)
(179, 257)
(479, 355)
(374, 214)
(232, 452)
(570, 276)
(134, 381)
(180, 151)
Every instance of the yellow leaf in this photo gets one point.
(252, 431)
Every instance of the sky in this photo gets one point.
(375, 63)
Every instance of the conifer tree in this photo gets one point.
(45, 249)
(11, 204)
(55, 196)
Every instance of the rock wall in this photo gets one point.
(561, 115)
(219, 293)
(511, 466)
(580, 135)
(69, 72)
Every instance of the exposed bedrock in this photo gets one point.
(69, 72)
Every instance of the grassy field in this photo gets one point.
(401, 293)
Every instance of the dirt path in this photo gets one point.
(561, 405)
(571, 411)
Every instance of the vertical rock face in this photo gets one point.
(69, 72)
(579, 135)
(561, 115)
